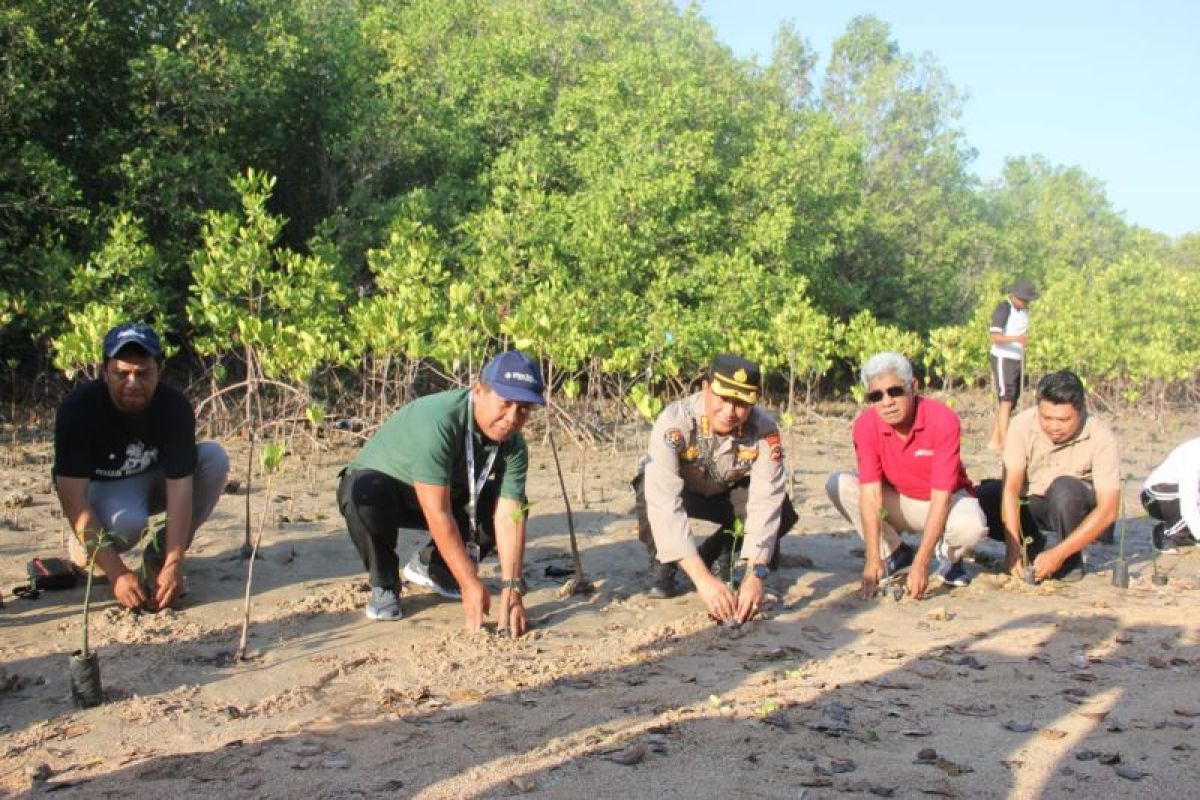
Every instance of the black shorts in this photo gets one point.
(1006, 377)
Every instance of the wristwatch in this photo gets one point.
(761, 571)
(516, 584)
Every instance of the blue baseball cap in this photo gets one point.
(514, 376)
(132, 334)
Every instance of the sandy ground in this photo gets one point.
(994, 690)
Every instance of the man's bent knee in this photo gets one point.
(835, 486)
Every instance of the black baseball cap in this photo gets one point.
(735, 378)
(1024, 289)
(132, 334)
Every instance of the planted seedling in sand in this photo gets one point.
(86, 689)
(270, 457)
(1120, 576)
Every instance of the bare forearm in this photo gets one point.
(510, 538)
(179, 521)
(1088, 530)
(449, 542)
(870, 504)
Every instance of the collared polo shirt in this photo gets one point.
(425, 442)
(1090, 455)
(928, 459)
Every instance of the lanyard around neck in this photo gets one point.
(475, 483)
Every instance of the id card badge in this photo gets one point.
(473, 553)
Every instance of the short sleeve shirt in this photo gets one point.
(93, 440)
(1010, 321)
(425, 442)
(685, 455)
(928, 459)
(1090, 455)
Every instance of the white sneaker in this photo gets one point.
(418, 573)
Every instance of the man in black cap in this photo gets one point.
(1009, 336)
(125, 449)
(453, 463)
(715, 456)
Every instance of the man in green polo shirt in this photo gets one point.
(452, 463)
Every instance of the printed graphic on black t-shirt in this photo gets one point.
(93, 440)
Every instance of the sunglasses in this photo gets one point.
(892, 391)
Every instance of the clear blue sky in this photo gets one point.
(1110, 86)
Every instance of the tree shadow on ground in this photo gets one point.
(746, 712)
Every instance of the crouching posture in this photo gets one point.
(715, 456)
(910, 478)
(452, 463)
(1171, 495)
(124, 450)
(1061, 482)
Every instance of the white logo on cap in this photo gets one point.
(524, 377)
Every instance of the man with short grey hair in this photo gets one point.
(910, 477)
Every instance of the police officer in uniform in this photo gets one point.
(715, 456)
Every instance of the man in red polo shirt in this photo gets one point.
(910, 478)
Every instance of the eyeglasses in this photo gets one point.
(876, 395)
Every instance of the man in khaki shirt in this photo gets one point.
(1065, 463)
(715, 456)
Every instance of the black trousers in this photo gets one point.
(1162, 503)
(376, 506)
(722, 509)
(1059, 511)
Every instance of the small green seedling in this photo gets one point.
(736, 534)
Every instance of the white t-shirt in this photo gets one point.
(1182, 468)
(1010, 321)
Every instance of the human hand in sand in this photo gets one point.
(750, 596)
(873, 573)
(511, 601)
(127, 588)
(476, 603)
(1012, 561)
(1047, 563)
(918, 578)
(718, 597)
(168, 584)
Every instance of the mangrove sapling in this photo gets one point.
(1156, 577)
(271, 457)
(1028, 574)
(86, 689)
(1120, 576)
(577, 583)
(736, 534)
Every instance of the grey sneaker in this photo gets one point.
(415, 571)
(384, 604)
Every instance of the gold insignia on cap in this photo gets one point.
(740, 376)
